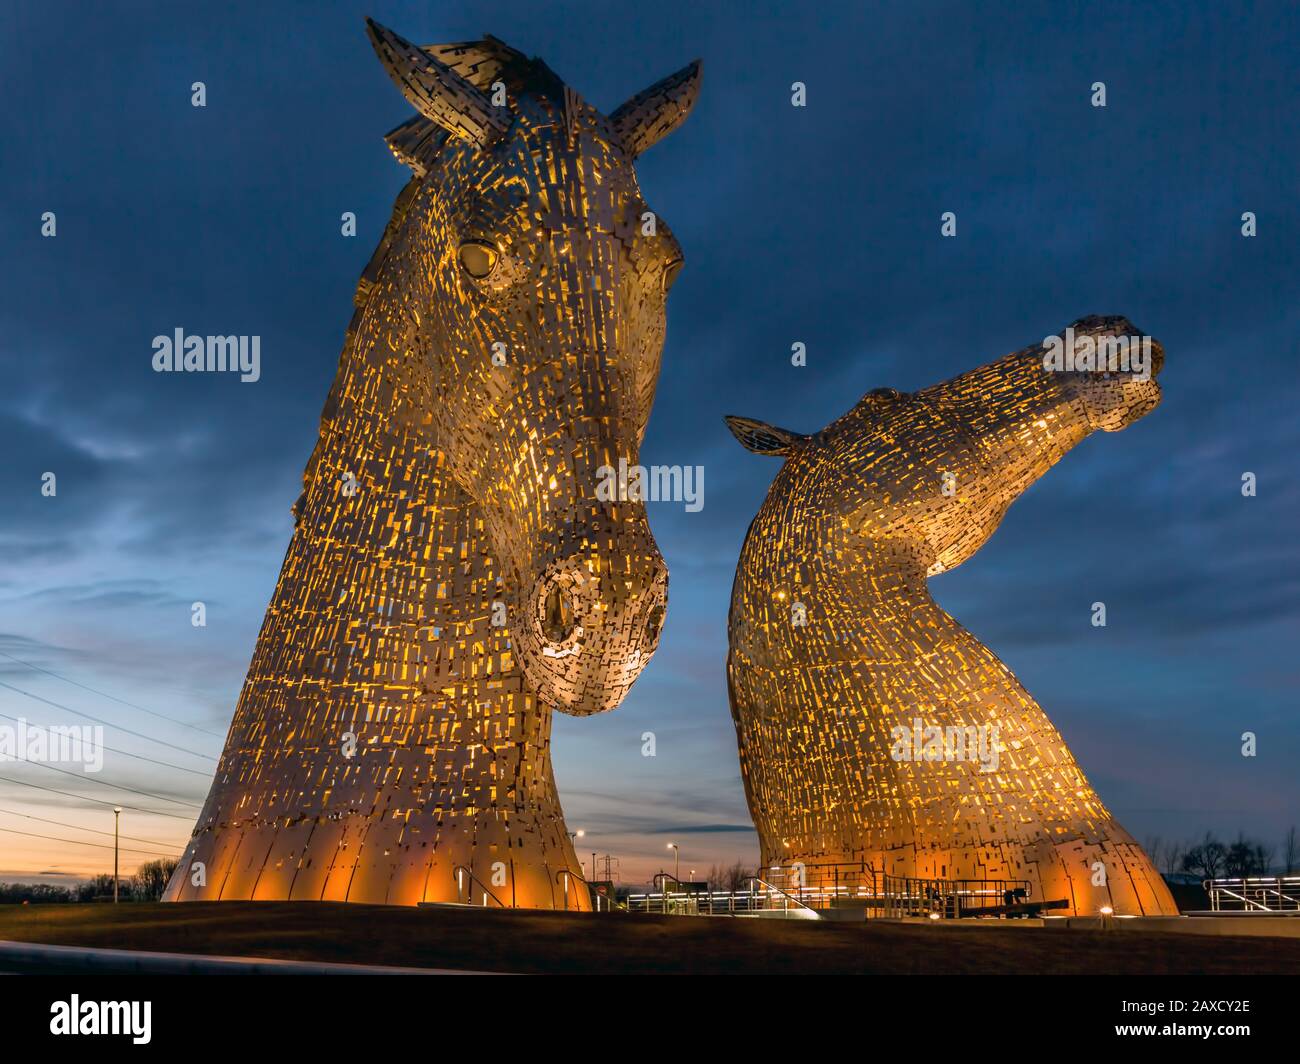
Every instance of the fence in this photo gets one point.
(804, 891)
(1266, 894)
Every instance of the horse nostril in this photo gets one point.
(654, 621)
(557, 615)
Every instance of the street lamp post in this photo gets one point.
(117, 816)
(677, 861)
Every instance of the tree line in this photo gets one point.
(1212, 858)
(148, 884)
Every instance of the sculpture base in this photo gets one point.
(1088, 876)
(385, 862)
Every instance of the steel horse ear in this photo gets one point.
(453, 578)
(877, 736)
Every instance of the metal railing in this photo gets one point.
(950, 899)
(678, 902)
(759, 898)
(463, 877)
(830, 886)
(825, 882)
(566, 877)
(702, 902)
(1257, 894)
(778, 898)
(804, 892)
(682, 900)
(807, 891)
(601, 903)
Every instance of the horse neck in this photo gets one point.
(800, 560)
(390, 555)
(782, 569)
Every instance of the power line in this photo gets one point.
(127, 753)
(105, 694)
(78, 827)
(106, 783)
(99, 720)
(97, 845)
(97, 801)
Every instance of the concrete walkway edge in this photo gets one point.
(35, 957)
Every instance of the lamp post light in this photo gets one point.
(574, 836)
(117, 816)
(677, 861)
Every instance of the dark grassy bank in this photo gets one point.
(523, 941)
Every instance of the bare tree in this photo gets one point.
(1246, 857)
(1239, 860)
(1207, 858)
(150, 879)
(738, 876)
(1174, 853)
(735, 877)
(101, 886)
(1290, 851)
(1154, 847)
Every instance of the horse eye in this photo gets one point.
(670, 274)
(478, 260)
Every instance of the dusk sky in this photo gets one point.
(818, 224)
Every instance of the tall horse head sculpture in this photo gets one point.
(878, 736)
(453, 575)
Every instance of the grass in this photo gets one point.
(529, 941)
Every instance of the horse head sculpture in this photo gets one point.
(877, 736)
(454, 575)
(524, 325)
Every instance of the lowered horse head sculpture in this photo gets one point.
(454, 575)
(877, 736)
